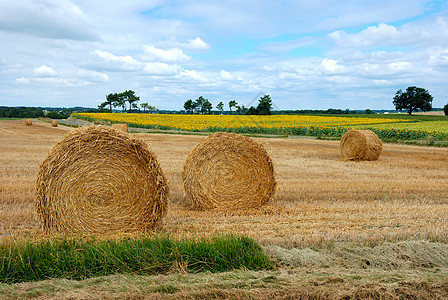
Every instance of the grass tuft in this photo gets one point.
(79, 259)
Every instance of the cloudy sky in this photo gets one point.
(305, 54)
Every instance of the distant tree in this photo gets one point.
(188, 106)
(369, 112)
(445, 110)
(54, 115)
(220, 106)
(136, 107)
(129, 96)
(207, 106)
(199, 105)
(20, 112)
(232, 103)
(145, 106)
(264, 105)
(252, 111)
(241, 110)
(414, 99)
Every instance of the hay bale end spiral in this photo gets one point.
(100, 180)
(54, 123)
(28, 122)
(228, 171)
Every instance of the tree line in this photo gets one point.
(124, 98)
(204, 106)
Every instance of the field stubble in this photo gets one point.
(320, 199)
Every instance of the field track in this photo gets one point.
(319, 199)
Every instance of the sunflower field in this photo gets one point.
(312, 125)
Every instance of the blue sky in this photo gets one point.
(317, 55)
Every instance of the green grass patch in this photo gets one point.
(78, 259)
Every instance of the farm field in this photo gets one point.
(384, 210)
(401, 127)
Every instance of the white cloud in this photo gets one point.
(22, 80)
(170, 55)
(434, 30)
(192, 74)
(44, 71)
(57, 19)
(161, 69)
(113, 58)
(197, 44)
(191, 44)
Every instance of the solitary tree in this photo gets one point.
(445, 110)
(414, 99)
(232, 103)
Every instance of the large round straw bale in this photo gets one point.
(28, 122)
(54, 123)
(228, 171)
(100, 180)
(360, 145)
(121, 127)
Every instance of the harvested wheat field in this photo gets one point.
(319, 198)
(321, 202)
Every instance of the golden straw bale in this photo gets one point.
(54, 123)
(360, 145)
(121, 127)
(28, 122)
(228, 171)
(100, 180)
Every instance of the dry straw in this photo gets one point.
(28, 122)
(121, 127)
(100, 180)
(228, 171)
(54, 123)
(360, 145)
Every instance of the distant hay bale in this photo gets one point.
(360, 145)
(54, 123)
(28, 122)
(121, 127)
(100, 180)
(228, 171)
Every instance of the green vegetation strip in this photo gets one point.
(79, 259)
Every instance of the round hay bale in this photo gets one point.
(360, 145)
(28, 122)
(228, 171)
(100, 180)
(121, 127)
(54, 123)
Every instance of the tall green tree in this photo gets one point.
(188, 106)
(110, 101)
(445, 110)
(207, 106)
(414, 99)
(232, 103)
(264, 105)
(199, 105)
(145, 106)
(131, 98)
